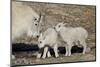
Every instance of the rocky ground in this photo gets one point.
(75, 16)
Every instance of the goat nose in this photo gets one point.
(37, 36)
(35, 24)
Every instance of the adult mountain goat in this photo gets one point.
(48, 39)
(24, 21)
(72, 35)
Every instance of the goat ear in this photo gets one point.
(53, 26)
(41, 34)
(39, 18)
(65, 23)
(42, 17)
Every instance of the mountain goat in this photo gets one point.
(48, 38)
(72, 35)
(24, 21)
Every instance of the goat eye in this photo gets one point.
(40, 42)
(59, 26)
(35, 19)
(36, 24)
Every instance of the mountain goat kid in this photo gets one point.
(72, 35)
(48, 38)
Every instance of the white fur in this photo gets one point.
(49, 37)
(71, 35)
(23, 21)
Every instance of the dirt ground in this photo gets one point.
(75, 16)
